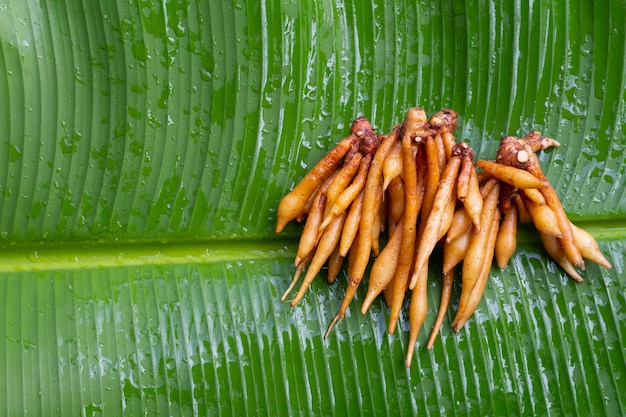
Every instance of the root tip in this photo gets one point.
(285, 294)
(458, 326)
(409, 357)
(364, 308)
(431, 340)
(576, 277)
(332, 325)
(280, 225)
(413, 281)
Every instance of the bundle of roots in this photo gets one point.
(421, 187)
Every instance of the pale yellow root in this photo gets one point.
(523, 213)
(371, 197)
(384, 268)
(308, 238)
(296, 276)
(589, 247)
(418, 307)
(335, 262)
(348, 195)
(448, 217)
(462, 185)
(517, 177)
(431, 229)
(395, 192)
(441, 152)
(448, 144)
(567, 237)
(535, 196)
(473, 201)
(392, 166)
(446, 295)
(460, 223)
(307, 207)
(383, 213)
(351, 226)
(454, 251)
(465, 312)
(388, 293)
(408, 233)
(324, 249)
(352, 252)
(506, 241)
(433, 176)
(555, 249)
(487, 186)
(343, 178)
(476, 254)
(294, 202)
(543, 217)
(376, 235)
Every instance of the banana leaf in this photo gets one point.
(145, 147)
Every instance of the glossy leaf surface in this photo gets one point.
(146, 146)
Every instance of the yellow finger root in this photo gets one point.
(401, 198)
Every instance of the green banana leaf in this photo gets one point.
(144, 147)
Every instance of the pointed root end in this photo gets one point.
(332, 325)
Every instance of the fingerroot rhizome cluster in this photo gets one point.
(420, 186)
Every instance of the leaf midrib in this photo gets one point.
(85, 255)
(34, 256)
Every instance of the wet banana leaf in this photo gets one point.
(145, 147)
